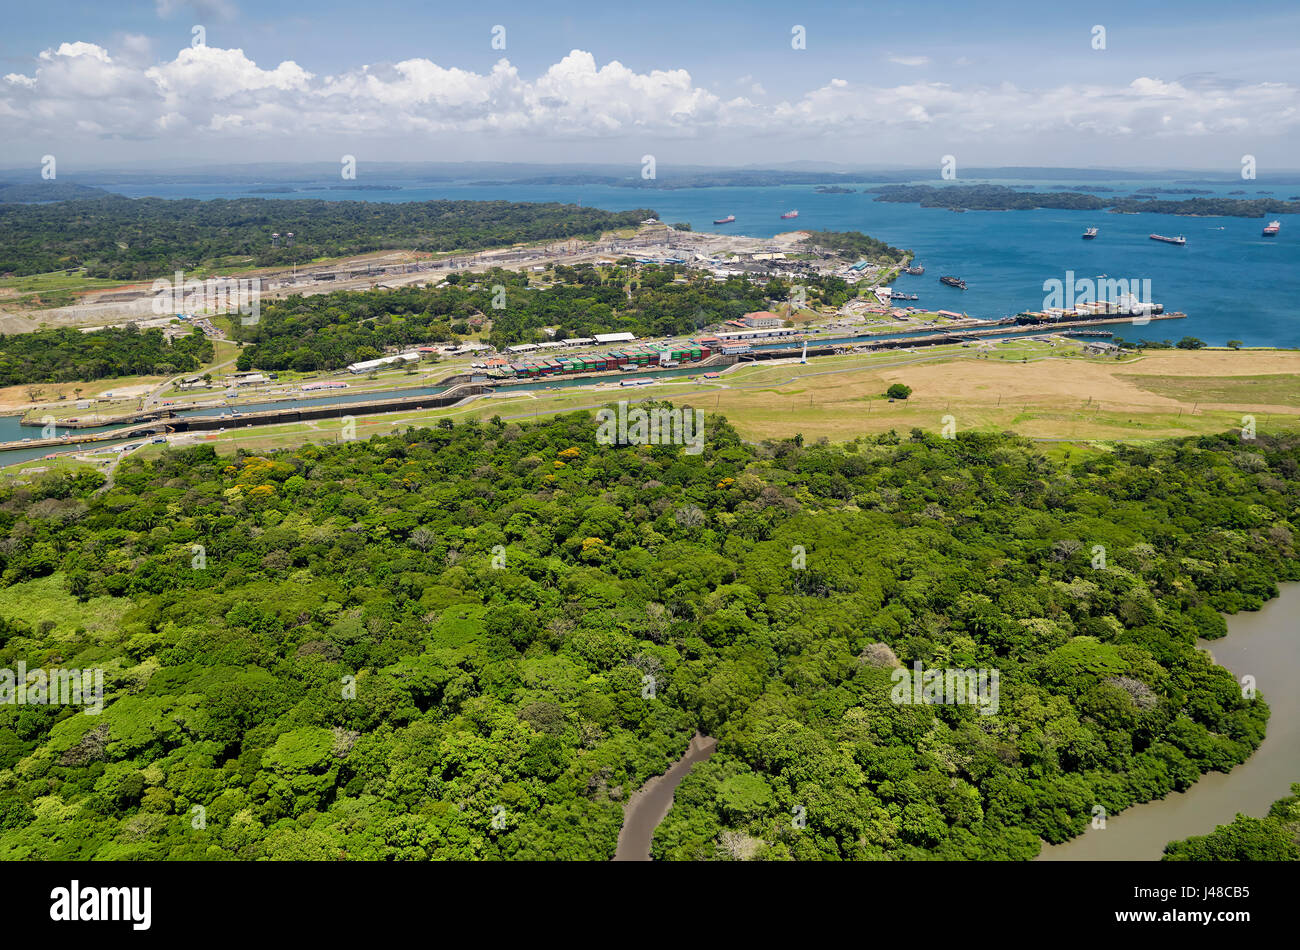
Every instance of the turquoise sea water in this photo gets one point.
(1232, 282)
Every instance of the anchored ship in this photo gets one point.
(1089, 234)
(727, 220)
(1180, 240)
(953, 282)
(1272, 228)
(916, 269)
(790, 214)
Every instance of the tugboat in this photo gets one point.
(1180, 240)
(953, 282)
(790, 214)
(727, 220)
(1272, 228)
(1089, 234)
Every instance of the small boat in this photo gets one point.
(790, 214)
(1089, 234)
(727, 220)
(1272, 228)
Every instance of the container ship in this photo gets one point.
(953, 282)
(1180, 240)
(1272, 228)
(1089, 234)
(727, 220)
(790, 214)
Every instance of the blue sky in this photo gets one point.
(1191, 84)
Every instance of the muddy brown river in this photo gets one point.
(648, 806)
(1264, 644)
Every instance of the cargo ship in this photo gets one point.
(1089, 234)
(1272, 228)
(953, 282)
(790, 214)
(1180, 240)
(727, 220)
(898, 296)
(916, 270)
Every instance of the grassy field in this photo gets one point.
(46, 600)
(1282, 389)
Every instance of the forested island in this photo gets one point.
(141, 238)
(436, 644)
(1001, 198)
(66, 355)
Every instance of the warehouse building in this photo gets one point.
(367, 365)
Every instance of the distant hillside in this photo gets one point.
(29, 192)
(141, 238)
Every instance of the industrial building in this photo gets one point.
(628, 359)
(772, 334)
(762, 320)
(367, 365)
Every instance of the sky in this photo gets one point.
(1189, 85)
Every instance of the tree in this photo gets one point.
(898, 391)
(1234, 344)
(1190, 343)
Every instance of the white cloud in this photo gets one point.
(910, 60)
(78, 92)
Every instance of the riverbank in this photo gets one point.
(650, 803)
(1264, 644)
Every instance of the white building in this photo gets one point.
(367, 365)
(774, 333)
(603, 338)
(762, 320)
